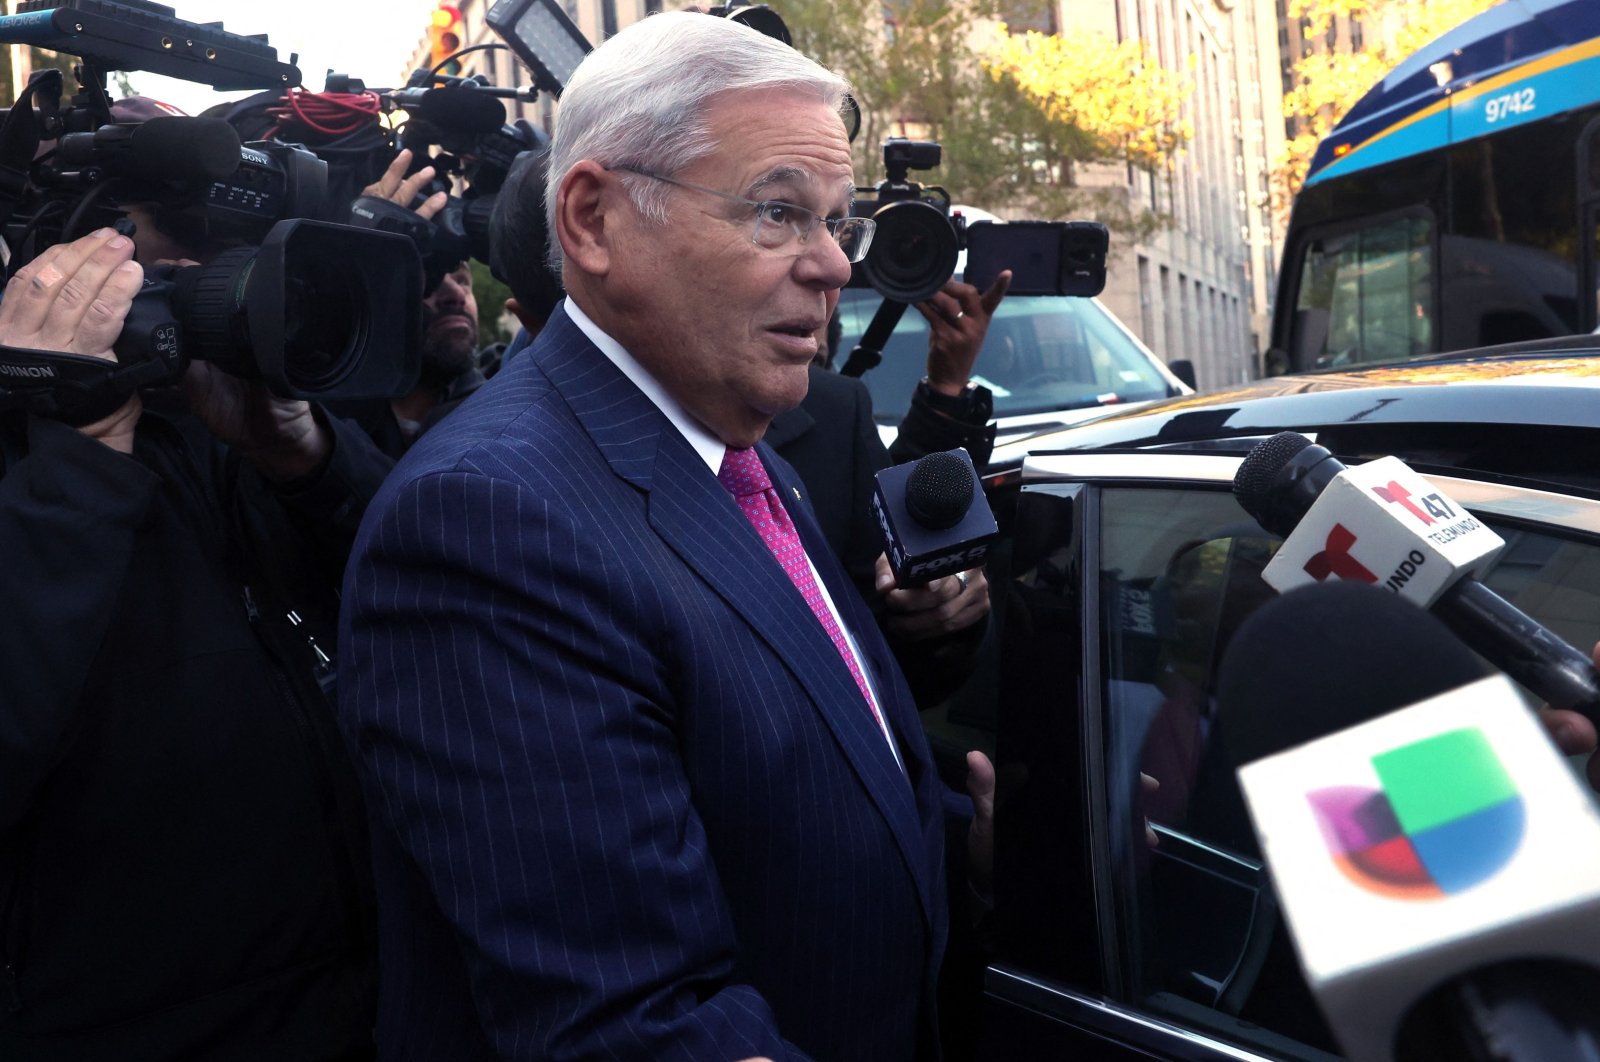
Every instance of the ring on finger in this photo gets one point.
(961, 577)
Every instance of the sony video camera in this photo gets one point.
(314, 309)
(463, 118)
(919, 241)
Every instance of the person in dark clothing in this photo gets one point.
(184, 870)
(451, 362)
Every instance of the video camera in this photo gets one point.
(464, 118)
(314, 309)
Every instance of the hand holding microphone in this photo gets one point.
(933, 517)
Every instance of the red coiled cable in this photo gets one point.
(332, 114)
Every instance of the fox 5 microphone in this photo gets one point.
(1384, 524)
(933, 517)
(1437, 862)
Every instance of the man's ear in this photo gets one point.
(530, 320)
(583, 202)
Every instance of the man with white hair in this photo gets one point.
(646, 781)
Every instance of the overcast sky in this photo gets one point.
(372, 39)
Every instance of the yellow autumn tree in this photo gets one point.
(1326, 83)
(1128, 106)
(942, 69)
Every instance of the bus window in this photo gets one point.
(1365, 295)
(1509, 259)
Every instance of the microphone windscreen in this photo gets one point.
(1253, 482)
(939, 491)
(462, 111)
(1323, 658)
(183, 150)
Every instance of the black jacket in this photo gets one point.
(183, 864)
(833, 443)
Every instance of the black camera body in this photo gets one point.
(919, 240)
(315, 310)
(464, 118)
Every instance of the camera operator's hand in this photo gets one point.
(396, 187)
(73, 298)
(280, 436)
(958, 318)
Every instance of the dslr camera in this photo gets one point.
(919, 240)
(315, 309)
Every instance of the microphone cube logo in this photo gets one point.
(1445, 817)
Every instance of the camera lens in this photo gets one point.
(913, 252)
(325, 328)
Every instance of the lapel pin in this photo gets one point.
(796, 493)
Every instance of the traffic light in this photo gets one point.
(444, 39)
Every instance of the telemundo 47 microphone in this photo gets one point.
(1437, 862)
(933, 517)
(1382, 523)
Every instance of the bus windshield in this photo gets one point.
(1455, 206)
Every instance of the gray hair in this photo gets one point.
(640, 100)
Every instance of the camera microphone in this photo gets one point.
(170, 151)
(933, 517)
(458, 111)
(1382, 523)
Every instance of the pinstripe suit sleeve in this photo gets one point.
(504, 702)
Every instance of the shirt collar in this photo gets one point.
(708, 446)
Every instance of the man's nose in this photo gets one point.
(822, 262)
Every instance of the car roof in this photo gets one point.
(1527, 415)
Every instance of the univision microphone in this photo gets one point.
(1437, 862)
(933, 517)
(1382, 523)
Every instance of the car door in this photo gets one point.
(1134, 918)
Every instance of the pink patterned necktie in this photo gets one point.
(744, 477)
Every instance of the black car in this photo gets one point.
(1125, 569)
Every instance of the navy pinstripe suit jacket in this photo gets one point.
(628, 802)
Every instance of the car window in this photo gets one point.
(1040, 354)
(1179, 572)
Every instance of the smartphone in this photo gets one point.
(1045, 257)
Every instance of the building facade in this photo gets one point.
(1201, 288)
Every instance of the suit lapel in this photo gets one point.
(698, 520)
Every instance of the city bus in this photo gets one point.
(1456, 205)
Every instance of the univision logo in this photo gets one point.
(1445, 817)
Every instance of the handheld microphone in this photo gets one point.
(1438, 865)
(1384, 524)
(933, 517)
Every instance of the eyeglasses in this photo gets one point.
(780, 225)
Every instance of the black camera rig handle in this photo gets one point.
(869, 352)
(73, 388)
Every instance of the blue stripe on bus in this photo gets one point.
(1471, 113)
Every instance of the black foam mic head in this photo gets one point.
(1326, 657)
(1254, 480)
(940, 490)
(462, 111)
(183, 150)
